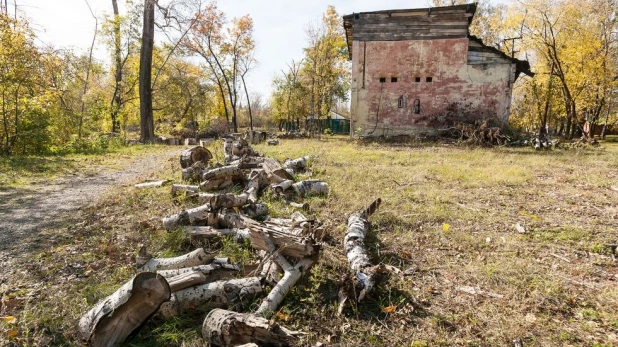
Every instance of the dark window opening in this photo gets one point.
(382, 79)
(428, 79)
(393, 79)
(417, 106)
(417, 79)
(356, 16)
(401, 102)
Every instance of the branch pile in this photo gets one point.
(198, 281)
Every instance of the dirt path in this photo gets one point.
(25, 212)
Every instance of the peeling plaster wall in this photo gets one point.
(481, 83)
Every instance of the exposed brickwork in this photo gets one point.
(484, 88)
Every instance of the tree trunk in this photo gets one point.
(145, 262)
(242, 77)
(310, 187)
(227, 328)
(358, 257)
(117, 97)
(145, 74)
(220, 294)
(114, 318)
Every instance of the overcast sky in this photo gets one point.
(279, 25)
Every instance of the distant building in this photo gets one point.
(413, 69)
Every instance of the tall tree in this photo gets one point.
(147, 134)
(117, 95)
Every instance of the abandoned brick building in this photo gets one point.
(412, 69)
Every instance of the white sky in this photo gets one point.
(279, 25)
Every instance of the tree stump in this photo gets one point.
(192, 155)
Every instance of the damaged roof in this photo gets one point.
(412, 24)
(430, 23)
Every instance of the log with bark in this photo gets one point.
(152, 184)
(192, 155)
(256, 180)
(223, 172)
(275, 171)
(291, 275)
(358, 257)
(219, 294)
(218, 184)
(239, 234)
(202, 274)
(227, 328)
(184, 188)
(228, 143)
(145, 261)
(298, 165)
(287, 243)
(310, 187)
(193, 216)
(114, 318)
(229, 200)
(194, 172)
(273, 142)
(281, 187)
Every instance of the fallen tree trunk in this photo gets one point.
(217, 184)
(145, 262)
(152, 184)
(115, 317)
(220, 294)
(239, 234)
(310, 187)
(273, 168)
(281, 187)
(184, 188)
(192, 216)
(297, 165)
(192, 155)
(291, 275)
(227, 171)
(358, 257)
(229, 200)
(227, 328)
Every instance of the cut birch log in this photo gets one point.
(287, 243)
(358, 257)
(310, 187)
(228, 143)
(186, 280)
(192, 155)
(257, 179)
(145, 262)
(184, 188)
(227, 171)
(193, 216)
(217, 184)
(274, 168)
(152, 184)
(204, 198)
(239, 234)
(273, 142)
(229, 200)
(281, 187)
(213, 271)
(256, 210)
(227, 328)
(291, 275)
(298, 165)
(113, 319)
(193, 173)
(190, 141)
(219, 294)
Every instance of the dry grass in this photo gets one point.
(447, 219)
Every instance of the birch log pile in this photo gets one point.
(117, 316)
(364, 270)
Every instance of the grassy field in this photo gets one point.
(447, 220)
(24, 170)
